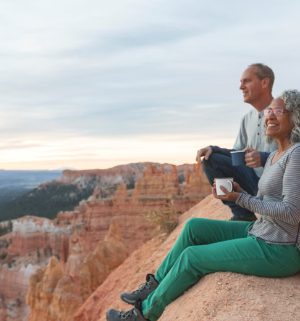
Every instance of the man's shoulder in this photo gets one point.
(251, 115)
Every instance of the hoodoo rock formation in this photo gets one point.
(28, 244)
(105, 232)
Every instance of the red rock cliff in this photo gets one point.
(30, 244)
(105, 232)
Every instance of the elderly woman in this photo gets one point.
(269, 247)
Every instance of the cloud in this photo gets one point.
(108, 69)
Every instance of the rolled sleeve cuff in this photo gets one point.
(243, 200)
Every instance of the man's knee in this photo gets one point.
(205, 163)
(215, 160)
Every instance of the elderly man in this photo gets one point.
(256, 85)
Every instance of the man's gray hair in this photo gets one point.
(263, 71)
(291, 100)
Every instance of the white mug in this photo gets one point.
(225, 182)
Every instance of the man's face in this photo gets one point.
(251, 86)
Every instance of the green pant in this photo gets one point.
(206, 246)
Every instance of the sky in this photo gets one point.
(95, 83)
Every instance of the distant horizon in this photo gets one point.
(91, 168)
(31, 170)
(188, 158)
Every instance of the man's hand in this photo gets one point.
(252, 158)
(203, 152)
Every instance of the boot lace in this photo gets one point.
(126, 315)
(144, 286)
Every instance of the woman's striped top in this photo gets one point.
(277, 200)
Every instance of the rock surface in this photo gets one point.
(217, 297)
(105, 231)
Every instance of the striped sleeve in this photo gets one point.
(288, 209)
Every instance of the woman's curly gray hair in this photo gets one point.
(291, 100)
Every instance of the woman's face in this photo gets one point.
(278, 120)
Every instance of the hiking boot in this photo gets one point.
(134, 314)
(142, 292)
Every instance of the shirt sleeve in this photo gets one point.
(241, 139)
(288, 209)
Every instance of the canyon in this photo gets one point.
(59, 263)
(86, 262)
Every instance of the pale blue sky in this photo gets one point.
(92, 84)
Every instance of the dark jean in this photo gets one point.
(219, 165)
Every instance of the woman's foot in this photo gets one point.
(142, 292)
(134, 314)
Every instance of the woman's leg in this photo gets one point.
(246, 255)
(198, 231)
(195, 232)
